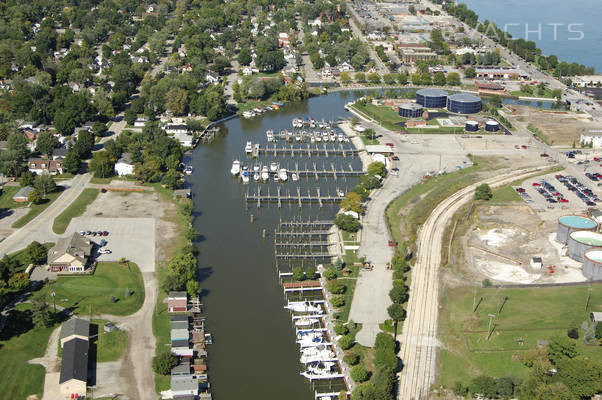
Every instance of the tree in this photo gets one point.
(192, 288)
(505, 387)
(385, 358)
(41, 310)
(583, 377)
(298, 274)
(377, 168)
(470, 72)
(164, 362)
(34, 197)
(453, 79)
(341, 329)
(18, 281)
(347, 223)
(346, 342)
(359, 373)
(439, 79)
(352, 202)
(99, 129)
(71, 162)
(573, 333)
(398, 294)
(599, 330)
(396, 312)
(176, 101)
(45, 184)
(351, 359)
(561, 347)
(484, 385)
(130, 116)
(496, 101)
(360, 77)
(102, 164)
(244, 57)
(27, 178)
(389, 79)
(345, 77)
(336, 287)
(46, 143)
(374, 78)
(402, 78)
(483, 192)
(84, 144)
(221, 64)
(36, 253)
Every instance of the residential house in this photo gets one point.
(74, 368)
(185, 139)
(75, 328)
(177, 302)
(182, 385)
(6, 84)
(212, 77)
(125, 165)
(41, 166)
(316, 23)
(22, 196)
(172, 129)
(70, 254)
(179, 370)
(29, 125)
(59, 153)
(283, 39)
(141, 122)
(345, 66)
(246, 71)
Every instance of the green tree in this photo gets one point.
(377, 168)
(221, 64)
(130, 116)
(345, 77)
(396, 312)
(351, 359)
(360, 77)
(386, 359)
(582, 377)
(46, 143)
(41, 310)
(352, 202)
(483, 192)
(84, 144)
(505, 387)
(389, 79)
(176, 101)
(71, 162)
(34, 197)
(359, 373)
(192, 288)
(347, 223)
(470, 72)
(453, 79)
(398, 295)
(439, 79)
(298, 274)
(45, 184)
(164, 362)
(346, 342)
(341, 329)
(27, 178)
(484, 385)
(102, 164)
(244, 57)
(99, 129)
(374, 78)
(560, 347)
(402, 78)
(36, 253)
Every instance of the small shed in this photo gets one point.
(22, 196)
(180, 334)
(536, 263)
(177, 302)
(596, 316)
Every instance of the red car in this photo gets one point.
(563, 200)
(395, 158)
(544, 155)
(523, 146)
(597, 159)
(391, 243)
(520, 190)
(536, 184)
(389, 144)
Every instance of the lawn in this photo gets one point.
(75, 209)
(107, 346)
(161, 330)
(36, 209)
(18, 378)
(384, 115)
(85, 293)
(528, 315)
(21, 257)
(6, 199)
(505, 194)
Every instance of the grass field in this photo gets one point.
(505, 194)
(75, 209)
(528, 315)
(384, 115)
(6, 199)
(108, 346)
(82, 293)
(36, 209)
(18, 378)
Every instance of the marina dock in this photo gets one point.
(308, 151)
(280, 197)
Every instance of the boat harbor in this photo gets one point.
(281, 197)
(309, 151)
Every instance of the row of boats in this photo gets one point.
(317, 353)
(312, 123)
(261, 172)
(302, 136)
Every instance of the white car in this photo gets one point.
(104, 251)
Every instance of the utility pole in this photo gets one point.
(474, 299)
(489, 331)
(589, 295)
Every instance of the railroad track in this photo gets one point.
(419, 336)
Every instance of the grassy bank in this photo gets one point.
(383, 115)
(36, 209)
(92, 293)
(540, 135)
(528, 315)
(108, 346)
(75, 209)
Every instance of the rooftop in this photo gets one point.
(75, 361)
(75, 245)
(75, 326)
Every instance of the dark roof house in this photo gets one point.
(75, 327)
(74, 367)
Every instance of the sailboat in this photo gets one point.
(235, 170)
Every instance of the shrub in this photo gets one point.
(346, 342)
(351, 359)
(329, 275)
(398, 294)
(483, 192)
(164, 362)
(486, 283)
(341, 329)
(384, 341)
(347, 223)
(484, 385)
(310, 273)
(336, 287)
(113, 299)
(359, 373)
(385, 358)
(298, 274)
(338, 301)
(573, 333)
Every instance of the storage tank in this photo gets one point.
(431, 98)
(410, 110)
(472, 126)
(582, 241)
(464, 103)
(592, 264)
(571, 223)
(492, 126)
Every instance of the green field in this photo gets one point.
(6, 199)
(505, 194)
(36, 209)
(87, 293)
(18, 378)
(528, 315)
(108, 346)
(75, 209)
(384, 115)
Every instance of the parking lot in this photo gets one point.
(558, 191)
(132, 238)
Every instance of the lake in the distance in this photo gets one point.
(584, 15)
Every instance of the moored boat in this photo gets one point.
(235, 170)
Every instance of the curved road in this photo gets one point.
(419, 337)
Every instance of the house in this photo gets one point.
(177, 301)
(182, 385)
(185, 139)
(125, 165)
(29, 125)
(75, 328)
(41, 166)
(212, 77)
(180, 334)
(536, 263)
(593, 137)
(59, 153)
(182, 369)
(74, 368)
(315, 23)
(283, 39)
(596, 317)
(70, 254)
(22, 195)
(172, 129)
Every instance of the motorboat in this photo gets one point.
(321, 124)
(188, 170)
(294, 177)
(248, 114)
(297, 123)
(316, 354)
(312, 139)
(256, 176)
(273, 166)
(298, 138)
(318, 138)
(270, 135)
(304, 306)
(283, 175)
(321, 367)
(333, 137)
(301, 322)
(245, 176)
(235, 170)
(256, 167)
(265, 174)
(249, 148)
(312, 341)
(276, 178)
(341, 137)
(340, 193)
(256, 148)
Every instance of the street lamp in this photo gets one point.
(53, 295)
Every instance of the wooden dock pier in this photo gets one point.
(288, 197)
(308, 151)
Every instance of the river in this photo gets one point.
(570, 18)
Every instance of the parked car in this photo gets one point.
(103, 243)
(104, 251)
(389, 144)
(395, 158)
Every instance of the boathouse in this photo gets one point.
(177, 302)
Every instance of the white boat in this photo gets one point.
(273, 167)
(309, 341)
(276, 178)
(298, 138)
(341, 193)
(312, 139)
(256, 148)
(321, 367)
(256, 176)
(265, 174)
(341, 137)
(248, 114)
(249, 148)
(283, 175)
(245, 177)
(333, 137)
(316, 354)
(305, 321)
(235, 170)
(322, 375)
(318, 138)
(256, 167)
(188, 170)
(297, 123)
(304, 306)
(321, 124)
(270, 135)
(294, 177)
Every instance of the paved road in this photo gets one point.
(419, 336)
(40, 228)
(380, 66)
